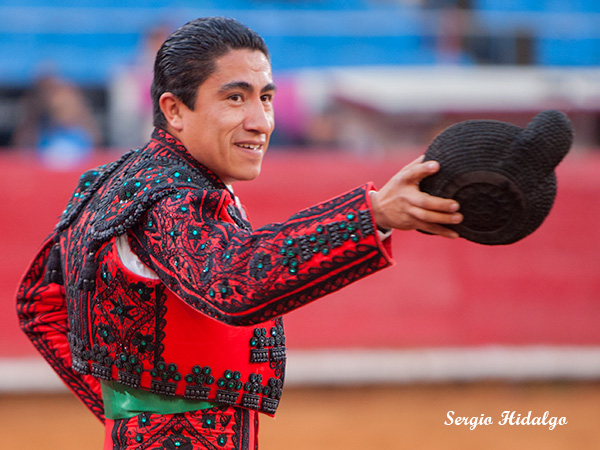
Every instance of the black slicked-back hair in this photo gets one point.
(188, 57)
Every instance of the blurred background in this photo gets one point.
(363, 87)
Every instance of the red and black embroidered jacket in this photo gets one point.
(209, 327)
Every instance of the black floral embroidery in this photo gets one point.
(177, 442)
(128, 362)
(224, 289)
(229, 386)
(122, 310)
(166, 371)
(259, 343)
(100, 355)
(271, 395)
(102, 362)
(198, 382)
(107, 334)
(252, 388)
(260, 265)
(130, 370)
(166, 376)
(145, 292)
(143, 342)
(222, 440)
(209, 421)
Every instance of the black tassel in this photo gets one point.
(88, 273)
(53, 266)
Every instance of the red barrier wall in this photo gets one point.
(544, 289)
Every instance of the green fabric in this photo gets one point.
(121, 402)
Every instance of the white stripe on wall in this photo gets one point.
(372, 366)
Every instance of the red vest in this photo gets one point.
(151, 339)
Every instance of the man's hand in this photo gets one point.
(401, 205)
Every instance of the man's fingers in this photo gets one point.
(433, 203)
(414, 172)
(435, 217)
(438, 230)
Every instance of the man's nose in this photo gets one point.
(259, 118)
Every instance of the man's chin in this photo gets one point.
(248, 175)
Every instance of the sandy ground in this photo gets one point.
(381, 417)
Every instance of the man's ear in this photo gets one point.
(171, 108)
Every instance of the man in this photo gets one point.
(155, 301)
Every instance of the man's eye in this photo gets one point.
(235, 97)
(268, 98)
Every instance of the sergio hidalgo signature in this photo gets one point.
(509, 418)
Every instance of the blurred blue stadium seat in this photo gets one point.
(86, 40)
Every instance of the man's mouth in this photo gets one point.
(250, 146)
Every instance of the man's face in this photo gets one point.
(231, 124)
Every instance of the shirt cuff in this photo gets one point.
(382, 233)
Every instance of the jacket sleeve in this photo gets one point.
(243, 277)
(42, 313)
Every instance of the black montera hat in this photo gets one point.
(502, 175)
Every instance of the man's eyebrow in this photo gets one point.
(269, 87)
(245, 86)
